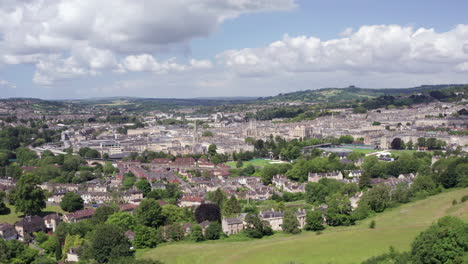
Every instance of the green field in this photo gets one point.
(396, 227)
(254, 162)
(13, 217)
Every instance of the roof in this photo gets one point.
(55, 216)
(5, 226)
(233, 221)
(205, 224)
(271, 214)
(85, 213)
(128, 207)
(31, 223)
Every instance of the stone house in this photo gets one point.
(189, 201)
(29, 225)
(51, 221)
(232, 225)
(335, 175)
(274, 218)
(8, 232)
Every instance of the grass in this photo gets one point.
(396, 227)
(13, 217)
(400, 152)
(254, 162)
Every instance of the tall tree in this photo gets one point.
(108, 242)
(290, 222)
(232, 207)
(71, 202)
(314, 221)
(30, 199)
(210, 212)
(149, 213)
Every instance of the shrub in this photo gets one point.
(372, 224)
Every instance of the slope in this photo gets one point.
(396, 227)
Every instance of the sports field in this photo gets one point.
(396, 227)
(254, 162)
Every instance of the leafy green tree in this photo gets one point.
(29, 198)
(239, 164)
(290, 223)
(123, 220)
(255, 228)
(72, 202)
(149, 213)
(145, 237)
(378, 198)
(25, 155)
(218, 197)
(102, 214)
(196, 233)
(71, 162)
(444, 242)
(212, 150)
(338, 211)
(175, 232)
(108, 242)
(213, 231)
(231, 207)
(144, 186)
(173, 214)
(314, 221)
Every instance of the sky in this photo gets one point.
(68, 49)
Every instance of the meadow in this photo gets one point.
(395, 227)
(254, 162)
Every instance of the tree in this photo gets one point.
(3, 208)
(29, 198)
(144, 186)
(378, 198)
(175, 232)
(396, 143)
(290, 223)
(173, 214)
(212, 150)
(213, 231)
(209, 212)
(255, 228)
(108, 242)
(314, 221)
(239, 164)
(145, 237)
(218, 197)
(72, 202)
(149, 213)
(231, 207)
(123, 220)
(409, 145)
(444, 242)
(338, 211)
(196, 233)
(102, 214)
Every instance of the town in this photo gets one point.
(205, 177)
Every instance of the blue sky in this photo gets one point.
(188, 48)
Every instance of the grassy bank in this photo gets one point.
(396, 227)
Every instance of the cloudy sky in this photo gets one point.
(57, 49)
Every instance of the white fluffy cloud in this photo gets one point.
(7, 84)
(378, 48)
(82, 37)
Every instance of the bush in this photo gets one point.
(372, 224)
(213, 231)
(454, 202)
(464, 198)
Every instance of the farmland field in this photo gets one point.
(396, 227)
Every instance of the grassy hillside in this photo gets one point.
(396, 227)
(353, 93)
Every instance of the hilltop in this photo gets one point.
(396, 227)
(332, 95)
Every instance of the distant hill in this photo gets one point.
(354, 93)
